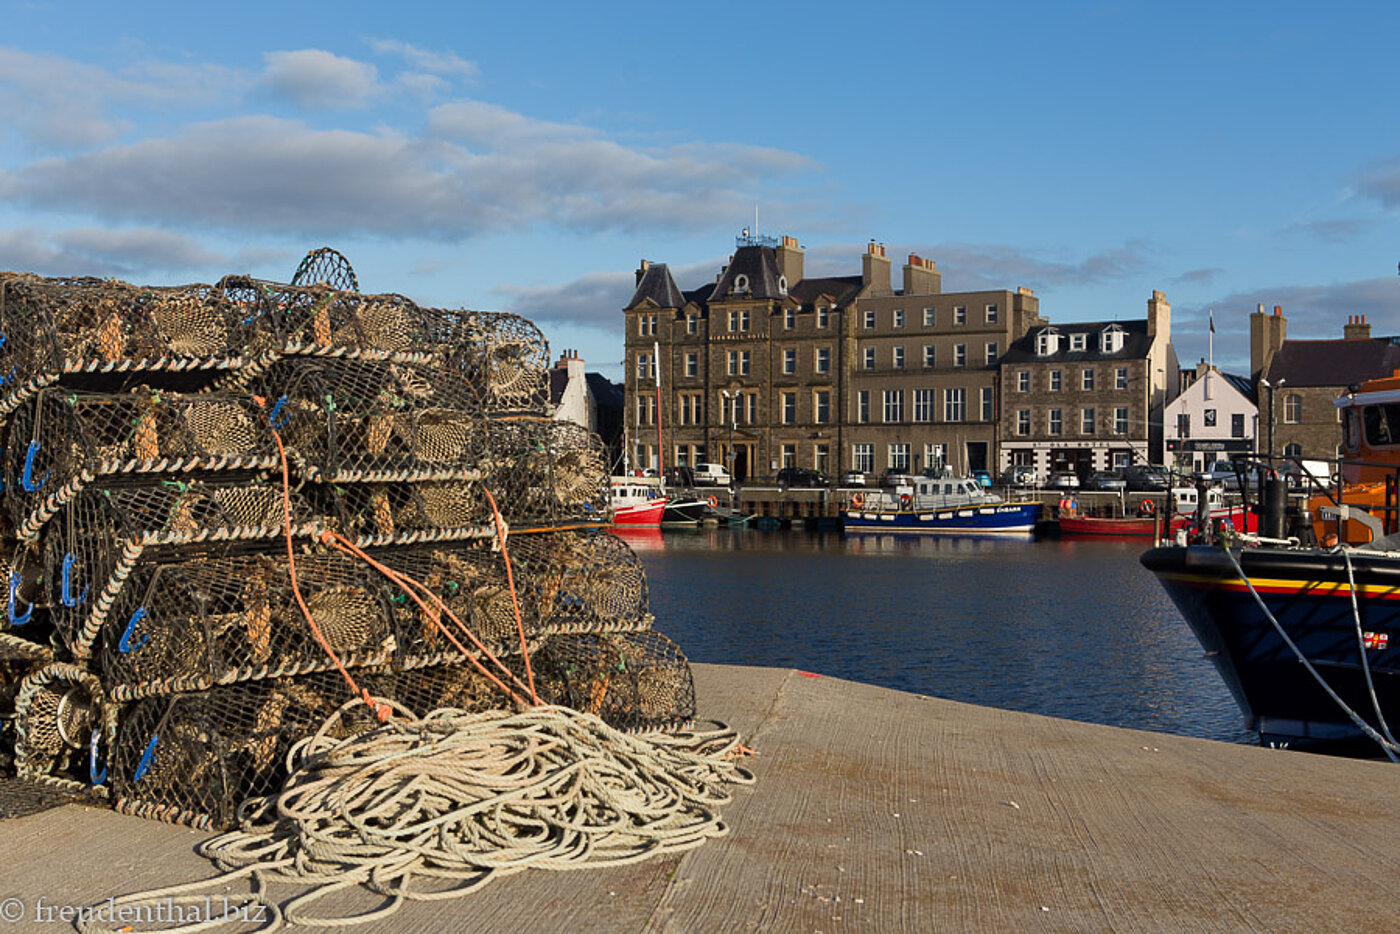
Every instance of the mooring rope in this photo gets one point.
(434, 808)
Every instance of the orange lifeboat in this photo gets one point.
(1370, 418)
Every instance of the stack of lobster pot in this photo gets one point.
(227, 504)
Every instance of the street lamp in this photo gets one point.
(731, 402)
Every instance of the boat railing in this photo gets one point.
(1256, 473)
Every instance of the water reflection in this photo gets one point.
(1074, 629)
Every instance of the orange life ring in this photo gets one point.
(858, 500)
(713, 502)
(1147, 506)
(904, 500)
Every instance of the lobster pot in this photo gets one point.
(545, 472)
(95, 541)
(193, 758)
(61, 441)
(633, 681)
(458, 685)
(504, 358)
(346, 421)
(470, 580)
(57, 708)
(77, 329)
(587, 581)
(372, 514)
(318, 320)
(192, 624)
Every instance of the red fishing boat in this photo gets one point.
(637, 502)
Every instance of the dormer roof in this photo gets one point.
(658, 287)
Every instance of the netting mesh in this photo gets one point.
(154, 642)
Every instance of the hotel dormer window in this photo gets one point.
(1111, 339)
(782, 285)
(741, 283)
(1047, 342)
(1077, 342)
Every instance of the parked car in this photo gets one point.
(711, 475)
(982, 477)
(1018, 475)
(1106, 481)
(1222, 474)
(1146, 478)
(896, 478)
(1063, 480)
(853, 478)
(800, 476)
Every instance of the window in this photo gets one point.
(646, 410)
(923, 405)
(821, 362)
(898, 358)
(869, 320)
(738, 362)
(960, 314)
(959, 355)
(692, 324)
(751, 408)
(789, 318)
(1076, 342)
(1237, 425)
(1111, 339)
(897, 318)
(991, 314)
(863, 457)
(1023, 421)
(899, 457)
(930, 317)
(1056, 422)
(1047, 342)
(1208, 418)
(790, 361)
(954, 405)
(863, 406)
(729, 408)
(789, 455)
(689, 408)
(930, 357)
(1023, 380)
(894, 405)
(823, 316)
(868, 358)
(692, 364)
(1292, 409)
(1183, 425)
(1086, 422)
(1120, 420)
(741, 284)
(1055, 381)
(789, 408)
(821, 406)
(991, 352)
(1120, 377)
(643, 366)
(739, 320)
(1293, 449)
(1121, 459)
(935, 456)
(821, 457)
(988, 404)
(1086, 380)
(782, 285)
(646, 325)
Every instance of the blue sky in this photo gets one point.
(525, 157)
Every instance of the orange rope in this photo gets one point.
(382, 711)
(510, 579)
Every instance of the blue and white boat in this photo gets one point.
(939, 505)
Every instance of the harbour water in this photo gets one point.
(1074, 629)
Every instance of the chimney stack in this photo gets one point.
(1266, 335)
(875, 269)
(1357, 329)
(921, 276)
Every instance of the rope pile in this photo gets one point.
(233, 509)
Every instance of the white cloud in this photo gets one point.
(436, 63)
(133, 252)
(313, 79)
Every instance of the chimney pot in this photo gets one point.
(1278, 309)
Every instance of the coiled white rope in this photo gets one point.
(434, 808)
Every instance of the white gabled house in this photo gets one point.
(1216, 415)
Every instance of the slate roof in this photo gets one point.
(1136, 343)
(1336, 363)
(1243, 385)
(841, 289)
(760, 265)
(658, 285)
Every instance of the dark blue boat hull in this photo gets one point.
(987, 519)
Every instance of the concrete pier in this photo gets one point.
(877, 810)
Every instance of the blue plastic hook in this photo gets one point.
(17, 620)
(67, 595)
(144, 765)
(125, 645)
(26, 479)
(92, 760)
(272, 418)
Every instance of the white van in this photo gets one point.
(711, 475)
